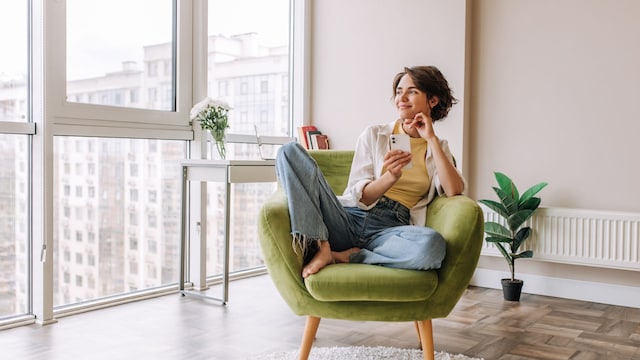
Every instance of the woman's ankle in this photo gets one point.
(321, 259)
(343, 256)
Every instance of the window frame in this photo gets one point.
(81, 119)
(51, 115)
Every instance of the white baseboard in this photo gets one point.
(564, 288)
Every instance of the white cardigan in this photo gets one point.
(368, 160)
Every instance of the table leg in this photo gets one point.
(183, 230)
(227, 242)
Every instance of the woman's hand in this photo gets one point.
(423, 124)
(395, 160)
(450, 179)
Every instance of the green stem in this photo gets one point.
(513, 271)
(218, 137)
(222, 151)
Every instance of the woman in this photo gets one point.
(381, 215)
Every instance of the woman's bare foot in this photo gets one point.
(343, 256)
(321, 259)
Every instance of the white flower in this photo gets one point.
(213, 116)
(205, 103)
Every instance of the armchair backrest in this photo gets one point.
(335, 165)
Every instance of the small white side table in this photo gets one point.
(229, 172)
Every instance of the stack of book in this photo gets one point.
(312, 139)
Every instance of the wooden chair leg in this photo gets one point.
(425, 332)
(310, 329)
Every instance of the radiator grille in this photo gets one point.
(583, 237)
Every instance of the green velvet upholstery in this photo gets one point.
(370, 292)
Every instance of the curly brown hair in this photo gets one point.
(430, 81)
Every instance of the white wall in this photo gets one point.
(358, 46)
(556, 90)
(552, 95)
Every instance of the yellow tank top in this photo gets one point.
(414, 182)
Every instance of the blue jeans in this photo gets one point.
(382, 233)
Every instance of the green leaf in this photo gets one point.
(517, 219)
(530, 204)
(496, 239)
(507, 200)
(495, 206)
(520, 237)
(507, 186)
(516, 210)
(531, 192)
(523, 255)
(495, 229)
(505, 253)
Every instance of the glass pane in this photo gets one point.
(128, 65)
(14, 60)
(249, 69)
(116, 216)
(14, 225)
(249, 63)
(246, 200)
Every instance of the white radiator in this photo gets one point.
(583, 237)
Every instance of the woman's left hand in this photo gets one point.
(450, 179)
(423, 123)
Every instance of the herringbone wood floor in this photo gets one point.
(257, 321)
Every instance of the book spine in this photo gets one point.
(303, 135)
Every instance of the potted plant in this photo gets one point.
(515, 210)
(213, 116)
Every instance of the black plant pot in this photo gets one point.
(511, 290)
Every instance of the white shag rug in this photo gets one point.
(360, 353)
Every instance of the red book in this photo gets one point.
(320, 141)
(302, 135)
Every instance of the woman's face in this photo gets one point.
(409, 100)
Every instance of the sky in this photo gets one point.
(101, 35)
(13, 37)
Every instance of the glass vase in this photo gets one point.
(218, 145)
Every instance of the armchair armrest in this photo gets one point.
(461, 222)
(283, 263)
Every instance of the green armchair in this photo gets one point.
(371, 292)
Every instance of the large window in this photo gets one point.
(116, 215)
(15, 153)
(248, 66)
(14, 60)
(14, 225)
(249, 63)
(119, 53)
(94, 120)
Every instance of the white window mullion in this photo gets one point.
(300, 50)
(42, 33)
(197, 196)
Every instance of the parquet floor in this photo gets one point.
(257, 321)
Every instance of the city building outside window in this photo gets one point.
(249, 62)
(135, 53)
(103, 229)
(14, 160)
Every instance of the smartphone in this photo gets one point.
(401, 142)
